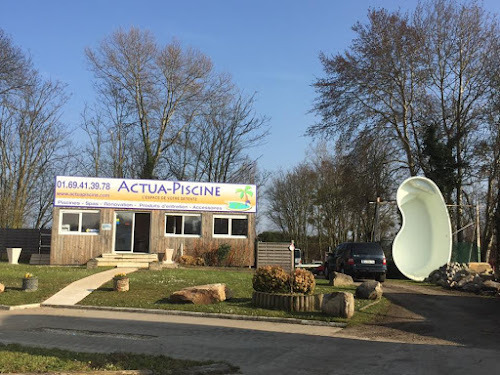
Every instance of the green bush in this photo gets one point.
(303, 281)
(271, 279)
(222, 253)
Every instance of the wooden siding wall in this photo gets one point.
(275, 254)
(243, 248)
(69, 249)
(79, 249)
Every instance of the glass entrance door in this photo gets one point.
(132, 230)
(124, 231)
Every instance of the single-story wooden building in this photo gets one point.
(96, 216)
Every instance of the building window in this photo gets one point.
(230, 226)
(183, 225)
(80, 222)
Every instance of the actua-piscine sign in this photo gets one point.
(153, 194)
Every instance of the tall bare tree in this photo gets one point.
(31, 138)
(15, 66)
(218, 146)
(374, 86)
(163, 85)
(460, 42)
(414, 80)
(291, 196)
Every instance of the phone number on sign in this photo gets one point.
(83, 185)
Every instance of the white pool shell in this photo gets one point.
(423, 243)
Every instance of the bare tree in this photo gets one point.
(31, 139)
(110, 149)
(460, 42)
(216, 148)
(423, 83)
(163, 85)
(291, 198)
(374, 85)
(92, 124)
(15, 66)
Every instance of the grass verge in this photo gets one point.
(151, 289)
(50, 281)
(20, 359)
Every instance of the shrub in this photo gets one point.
(222, 253)
(303, 281)
(274, 279)
(271, 279)
(191, 261)
(186, 259)
(198, 261)
(210, 257)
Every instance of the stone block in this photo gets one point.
(491, 285)
(480, 267)
(369, 290)
(202, 294)
(340, 304)
(340, 279)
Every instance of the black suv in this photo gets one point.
(358, 259)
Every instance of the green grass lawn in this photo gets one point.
(50, 281)
(151, 289)
(20, 359)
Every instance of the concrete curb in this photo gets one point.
(202, 314)
(20, 307)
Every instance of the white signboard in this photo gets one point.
(153, 194)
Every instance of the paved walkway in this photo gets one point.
(80, 289)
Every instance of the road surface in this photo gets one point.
(424, 333)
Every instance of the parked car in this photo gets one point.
(320, 269)
(358, 259)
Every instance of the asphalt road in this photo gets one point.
(425, 333)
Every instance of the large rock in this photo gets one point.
(202, 294)
(2, 287)
(473, 287)
(480, 267)
(369, 290)
(491, 285)
(464, 280)
(340, 304)
(340, 279)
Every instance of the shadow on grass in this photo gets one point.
(20, 358)
(106, 290)
(242, 302)
(18, 289)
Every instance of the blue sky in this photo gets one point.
(268, 47)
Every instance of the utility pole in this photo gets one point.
(376, 229)
(478, 235)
